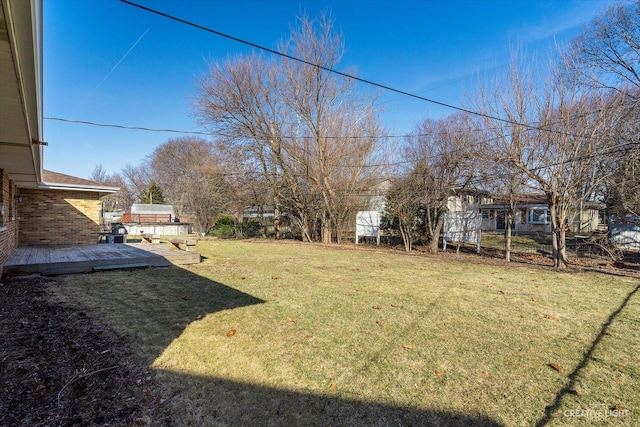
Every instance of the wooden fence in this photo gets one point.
(129, 218)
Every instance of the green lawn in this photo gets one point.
(267, 333)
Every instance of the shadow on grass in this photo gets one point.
(225, 402)
(573, 376)
(154, 307)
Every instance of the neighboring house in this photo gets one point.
(253, 213)
(467, 200)
(36, 206)
(531, 213)
(376, 199)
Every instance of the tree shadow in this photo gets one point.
(573, 376)
(160, 303)
(153, 306)
(220, 401)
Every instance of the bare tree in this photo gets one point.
(99, 174)
(606, 55)
(501, 178)
(607, 52)
(188, 171)
(438, 153)
(112, 202)
(134, 180)
(622, 163)
(302, 128)
(554, 136)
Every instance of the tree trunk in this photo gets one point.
(434, 236)
(562, 247)
(406, 237)
(326, 229)
(558, 239)
(507, 237)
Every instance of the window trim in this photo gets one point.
(545, 211)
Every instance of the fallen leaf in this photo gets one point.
(349, 294)
(242, 277)
(438, 373)
(395, 305)
(548, 316)
(383, 265)
(185, 297)
(291, 320)
(377, 307)
(379, 322)
(332, 386)
(501, 292)
(275, 295)
(522, 316)
(534, 299)
(308, 337)
(556, 367)
(275, 277)
(409, 346)
(485, 373)
(231, 332)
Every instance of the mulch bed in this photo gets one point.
(59, 367)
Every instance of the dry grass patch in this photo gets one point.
(280, 333)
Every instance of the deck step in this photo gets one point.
(121, 266)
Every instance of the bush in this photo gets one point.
(252, 229)
(225, 228)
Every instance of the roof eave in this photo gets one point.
(71, 187)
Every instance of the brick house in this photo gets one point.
(36, 206)
(62, 210)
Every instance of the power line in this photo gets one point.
(148, 129)
(340, 73)
(106, 125)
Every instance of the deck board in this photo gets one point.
(67, 259)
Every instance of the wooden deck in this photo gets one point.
(67, 259)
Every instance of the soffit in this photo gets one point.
(20, 82)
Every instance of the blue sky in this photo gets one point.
(109, 62)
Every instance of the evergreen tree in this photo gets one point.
(153, 195)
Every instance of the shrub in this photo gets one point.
(225, 228)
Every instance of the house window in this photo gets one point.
(538, 215)
(487, 214)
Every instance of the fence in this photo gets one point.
(129, 218)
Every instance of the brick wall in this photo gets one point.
(8, 224)
(56, 217)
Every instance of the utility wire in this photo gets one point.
(408, 135)
(340, 73)
(110, 125)
(84, 122)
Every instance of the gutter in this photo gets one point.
(95, 189)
